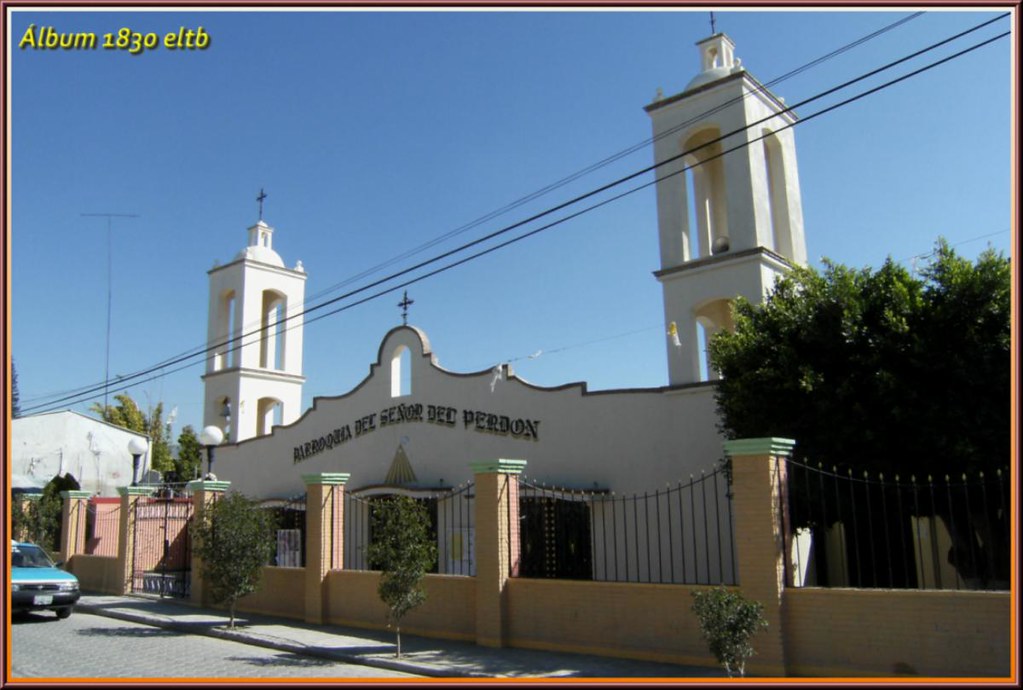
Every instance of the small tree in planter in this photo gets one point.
(403, 549)
(728, 621)
(234, 540)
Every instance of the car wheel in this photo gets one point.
(63, 613)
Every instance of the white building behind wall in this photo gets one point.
(52, 444)
(728, 226)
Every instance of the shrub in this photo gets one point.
(728, 621)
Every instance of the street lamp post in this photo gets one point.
(211, 437)
(137, 447)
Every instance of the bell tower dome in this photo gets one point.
(729, 212)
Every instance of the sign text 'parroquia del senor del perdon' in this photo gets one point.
(475, 420)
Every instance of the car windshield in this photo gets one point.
(26, 556)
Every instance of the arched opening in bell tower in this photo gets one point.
(712, 317)
(225, 354)
(269, 413)
(224, 407)
(272, 331)
(777, 194)
(707, 202)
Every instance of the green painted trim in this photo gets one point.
(328, 478)
(136, 490)
(207, 485)
(75, 494)
(759, 446)
(501, 466)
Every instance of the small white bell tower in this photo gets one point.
(730, 221)
(253, 376)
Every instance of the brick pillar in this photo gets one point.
(72, 523)
(759, 526)
(324, 538)
(497, 545)
(204, 493)
(130, 495)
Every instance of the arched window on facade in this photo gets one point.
(401, 372)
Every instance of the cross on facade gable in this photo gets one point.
(405, 303)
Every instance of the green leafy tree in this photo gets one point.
(882, 372)
(234, 540)
(15, 395)
(403, 549)
(728, 622)
(39, 521)
(25, 519)
(126, 414)
(189, 460)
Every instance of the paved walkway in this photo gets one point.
(420, 655)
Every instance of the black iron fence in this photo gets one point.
(851, 529)
(681, 534)
(451, 525)
(290, 525)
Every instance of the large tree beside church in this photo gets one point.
(126, 413)
(877, 371)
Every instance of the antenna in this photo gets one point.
(108, 216)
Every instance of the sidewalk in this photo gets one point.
(420, 655)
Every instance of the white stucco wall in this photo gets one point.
(627, 441)
(94, 452)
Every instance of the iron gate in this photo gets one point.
(161, 559)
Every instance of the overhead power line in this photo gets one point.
(573, 201)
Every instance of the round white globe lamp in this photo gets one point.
(137, 447)
(211, 437)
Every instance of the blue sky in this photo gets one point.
(373, 132)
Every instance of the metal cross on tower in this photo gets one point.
(260, 198)
(712, 28)
(405, 303)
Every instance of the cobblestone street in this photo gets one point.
(86, 646)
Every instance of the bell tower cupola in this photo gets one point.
(730, 217)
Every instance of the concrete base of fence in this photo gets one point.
(650, 622)
(885, 632)
(101, 574)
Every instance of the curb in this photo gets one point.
(278, 644)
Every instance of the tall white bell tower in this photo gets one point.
(253, 376)
(730, 221)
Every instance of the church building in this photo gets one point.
(729, 223)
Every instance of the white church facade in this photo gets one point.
(730, 222)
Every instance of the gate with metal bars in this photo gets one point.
(681, 534)
(161, 559)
